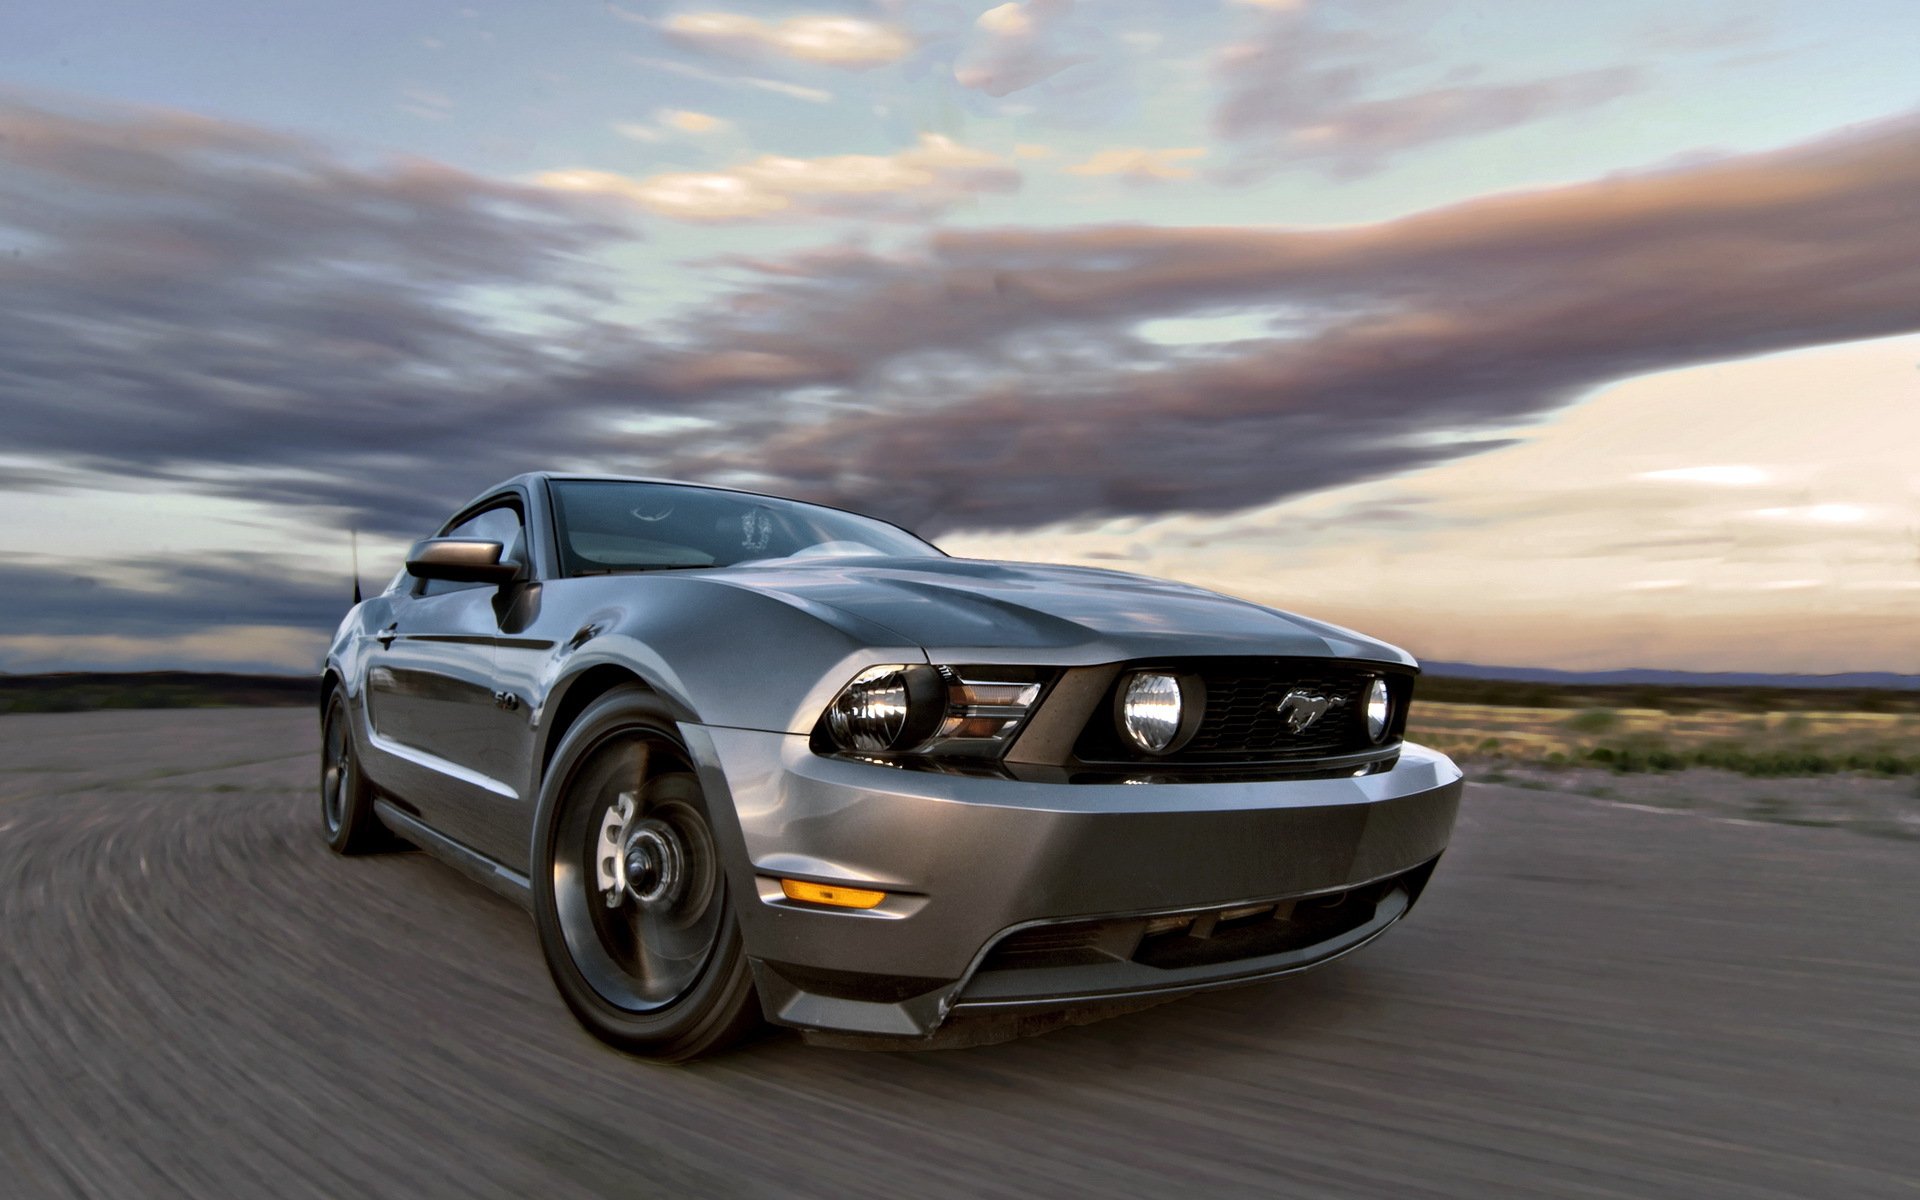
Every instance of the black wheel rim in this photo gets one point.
(649, 946)
(335, 771)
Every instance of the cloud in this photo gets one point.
(834, 41)
(200, 300)
(671, 122)
(1301, 94)
(1717, 476)
(1018, 45)
(248, 649)
(1140, 164)
(998, 377)
(1820, 514)
(935, 173)
(1490, 554)
(244, 313)
(811, 95)
(164, 596)
(696, 123)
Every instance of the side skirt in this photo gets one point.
(469, 862)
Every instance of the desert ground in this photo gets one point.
(1620, 984)
(1848, 770)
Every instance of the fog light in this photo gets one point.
(837, 897)
(1379, 710)
(1158, 711)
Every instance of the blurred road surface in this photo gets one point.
(196, 999)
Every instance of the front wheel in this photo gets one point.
(629, 893)
(346, 800)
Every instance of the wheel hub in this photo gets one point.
(639, 858)
(653, 864)
(333, 780)
(642, 869)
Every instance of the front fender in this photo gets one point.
(347, 653)
(715, 655)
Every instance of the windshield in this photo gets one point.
(606, 525)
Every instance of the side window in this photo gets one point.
(500, 524)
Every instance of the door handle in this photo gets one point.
(385, 636)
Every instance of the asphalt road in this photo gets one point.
(197, 999)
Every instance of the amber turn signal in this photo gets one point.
(838, 897)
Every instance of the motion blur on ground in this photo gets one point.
(1596, 998)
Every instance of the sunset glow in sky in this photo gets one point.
(1519, 332)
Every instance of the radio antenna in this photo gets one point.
(353, 536)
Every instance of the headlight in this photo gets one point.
(1379, 710)
(1158, 711)
(922, 709)
(886, 708)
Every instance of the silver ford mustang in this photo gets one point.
(746, 757)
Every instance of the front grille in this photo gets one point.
(1243, 713)
(1071, 945)
(1205, 940)
(1243, 721)
(1201, 938)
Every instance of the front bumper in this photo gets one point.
(971, 864)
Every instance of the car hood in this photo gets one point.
(956, 607)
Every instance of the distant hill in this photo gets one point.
(1659, 678)
(1669, 691)
(84, 691)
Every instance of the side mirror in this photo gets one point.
(460, 560)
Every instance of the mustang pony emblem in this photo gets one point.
(1301, 709)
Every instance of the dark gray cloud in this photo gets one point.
(1394, 345)
(203, 302)
(187, 298)
(159, 596)
(1307, 94)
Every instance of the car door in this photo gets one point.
(432, 702)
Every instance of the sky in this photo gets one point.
(1520, 332)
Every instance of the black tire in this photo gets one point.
(659, 970)
(346, 800)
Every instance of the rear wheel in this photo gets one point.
(629, 893)
(346, 801)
